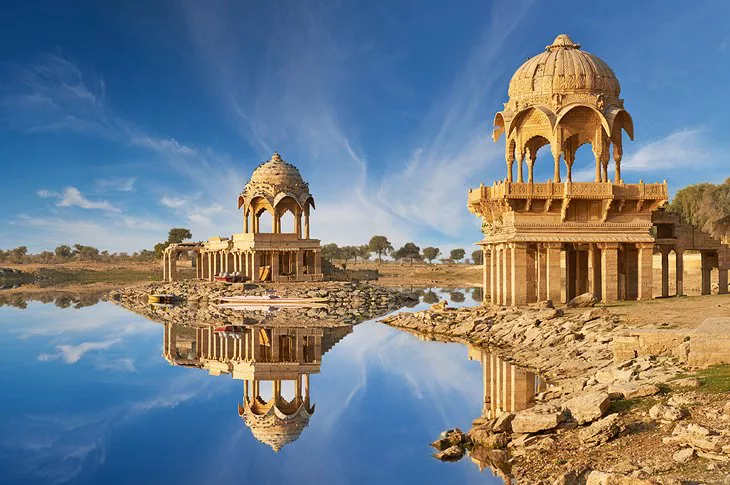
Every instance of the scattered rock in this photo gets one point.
(602, 478)
(665, 413)
(491, 441)
(588, 407)
(503, 424)
(632, 390)
(601, 431)
(531, 421)
(726, 408)
(582, 301)
(453, 453)
(684, 455)
(687, 382)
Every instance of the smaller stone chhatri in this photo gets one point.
(276, 188)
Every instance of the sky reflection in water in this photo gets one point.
(89, 399)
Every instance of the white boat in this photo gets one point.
(271, 300)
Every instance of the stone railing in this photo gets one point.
(572, 190)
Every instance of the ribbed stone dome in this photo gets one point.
(274, 180)
(563, 68)
(279, 175)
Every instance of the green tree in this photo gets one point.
(348, 252)
(457, 254)
(430, 253)
(409, 252)
(159, 248)
(178, 235)
(364, 252)
(380, 246)
(331, 252)
(17, 255)
(477, 256)
(63, 251)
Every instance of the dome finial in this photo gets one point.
(562, 42)
(276, 156)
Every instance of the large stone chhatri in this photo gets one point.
(559, 238)
(556, 239)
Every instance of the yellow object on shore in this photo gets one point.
(160, 298)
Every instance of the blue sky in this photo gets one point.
(118, 122)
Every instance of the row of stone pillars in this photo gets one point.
(708, 261)
(212, 263)
(519, 273)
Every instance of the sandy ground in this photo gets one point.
(425, 275)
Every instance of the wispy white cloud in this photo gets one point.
(72, 197)
(681, 149)
(73, 353)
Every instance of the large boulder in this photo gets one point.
(503, 424)
(601, 431)
(632, 390)
(596, 477)
(588, 407)
(534, 421)
(582, 301)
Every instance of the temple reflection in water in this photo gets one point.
(507, 388)
(280, 357)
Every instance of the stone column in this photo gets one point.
(172, 257)
(317, 262)
(706, 273)
(255, 266)
(531, 274)
(274, 265)
(665, 270)
(506, 275)
(486, 273)
(609, 272)
(245, 221)
(300, 263)
(541, 273)
(722, 281)
(210, 266)
(518, 258)
(306, 224)
(494, 284)
(571, 279)
(679, 270)
(646, 275)
(594, 263)
(553, 276)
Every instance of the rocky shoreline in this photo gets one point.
(638, 421)
(346, 303)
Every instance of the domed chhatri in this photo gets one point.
(564, 98)
(278, 357)
(276, 188)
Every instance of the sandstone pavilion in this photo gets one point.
(277, 188)
(556, 239)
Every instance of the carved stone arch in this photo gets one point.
(619, 119)
(565, 121)
(499, 126)
(535, 120)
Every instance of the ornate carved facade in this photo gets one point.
(277, 188)
(557, 239)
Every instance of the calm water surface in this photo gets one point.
(89, 398)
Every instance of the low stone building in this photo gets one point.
(275, 188)
(560, 238)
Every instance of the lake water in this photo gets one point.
(89, 397)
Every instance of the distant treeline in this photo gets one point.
(77, 252)
(705, 206)
(380, 246)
